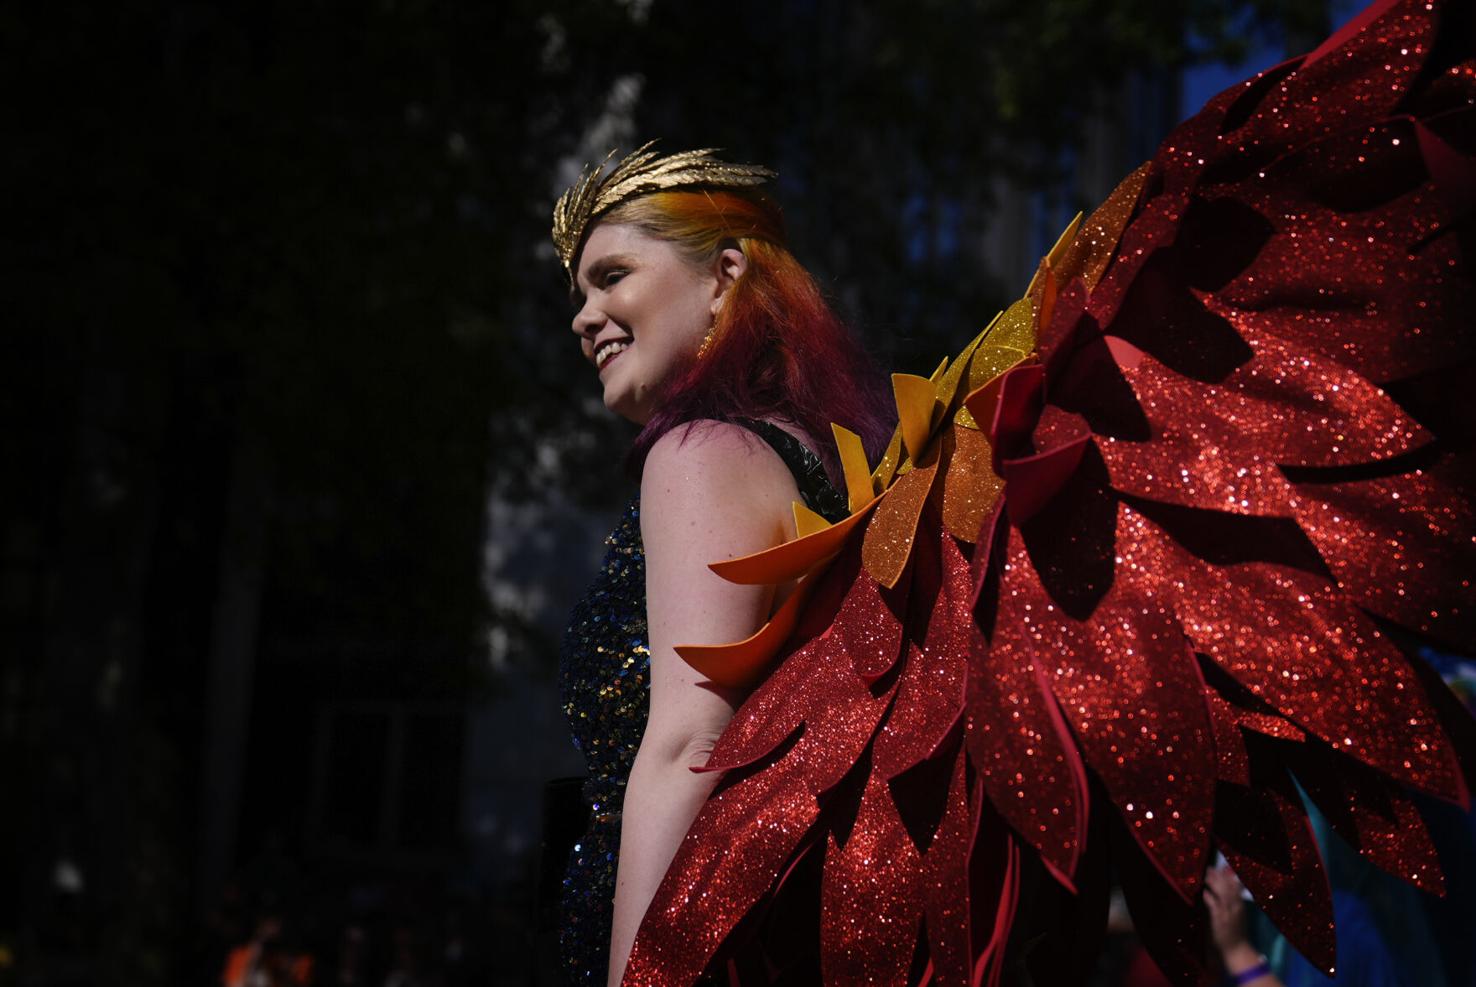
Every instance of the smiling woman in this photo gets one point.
(633, 283)
(771, 347)
(703, 329)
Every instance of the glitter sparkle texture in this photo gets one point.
(1126, 572)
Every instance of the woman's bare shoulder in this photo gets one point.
(705, 451)
(714, 468)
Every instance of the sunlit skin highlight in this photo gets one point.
(639, 291)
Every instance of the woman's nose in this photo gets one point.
(587, 321)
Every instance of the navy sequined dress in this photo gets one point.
(604, 676)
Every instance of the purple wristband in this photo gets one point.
(1261, 969)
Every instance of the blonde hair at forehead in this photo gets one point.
(699, 224)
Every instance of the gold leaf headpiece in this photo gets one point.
(642, 171)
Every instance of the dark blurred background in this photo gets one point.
(301, 467)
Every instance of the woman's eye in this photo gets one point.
(612, 277)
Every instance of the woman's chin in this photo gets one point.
(626, 407)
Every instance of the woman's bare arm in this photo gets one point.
(719, 494)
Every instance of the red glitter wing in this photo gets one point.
(1127, 686)
(1387, 540)
(1373, 816)
(1264, 833)
(871, 904)
(1023, 755)
(1225, 458)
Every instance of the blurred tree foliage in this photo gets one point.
(892, 124)
(288, 261)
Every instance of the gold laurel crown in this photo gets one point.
(642, 171)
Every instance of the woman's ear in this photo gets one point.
(729, 265)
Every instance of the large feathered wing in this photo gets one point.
(1128, 569)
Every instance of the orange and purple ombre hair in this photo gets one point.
(776, 350)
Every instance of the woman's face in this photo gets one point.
(644, 311)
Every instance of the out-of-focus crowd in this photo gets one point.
(360, 945)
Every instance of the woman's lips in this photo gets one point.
(602, 363)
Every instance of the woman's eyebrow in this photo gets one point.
(596, 270)
(606, 264)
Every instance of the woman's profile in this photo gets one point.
(703, 329)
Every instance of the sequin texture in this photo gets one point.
(604, 674)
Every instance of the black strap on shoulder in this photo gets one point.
(809, 473)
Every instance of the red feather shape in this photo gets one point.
(1209, 486)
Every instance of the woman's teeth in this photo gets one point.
(608, 353)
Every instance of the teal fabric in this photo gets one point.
(1384, 935)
